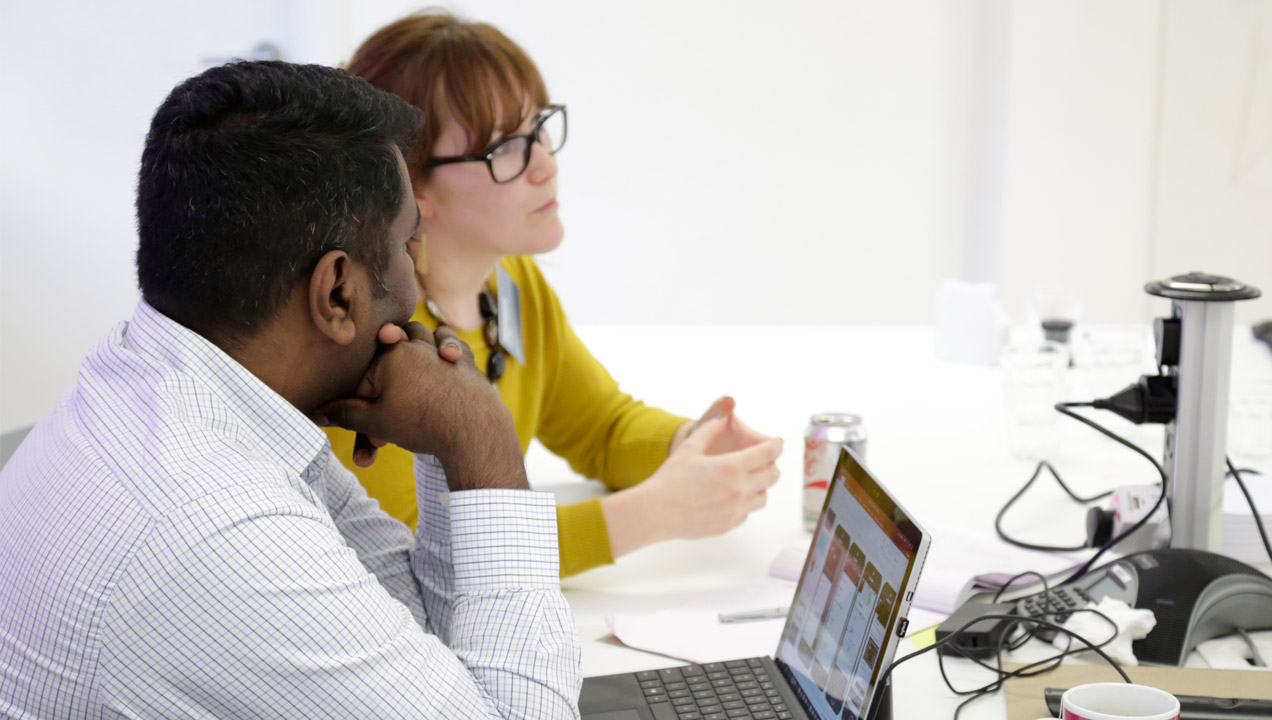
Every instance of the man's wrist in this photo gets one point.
(478, 465)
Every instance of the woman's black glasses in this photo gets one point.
(511, 156)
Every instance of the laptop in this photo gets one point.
(841, 632)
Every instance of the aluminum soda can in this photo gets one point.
(826, 434)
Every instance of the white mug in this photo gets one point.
(1118, 701)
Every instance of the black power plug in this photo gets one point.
(980, 640)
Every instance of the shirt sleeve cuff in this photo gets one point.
(502, 539)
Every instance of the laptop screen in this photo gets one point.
(845, 611)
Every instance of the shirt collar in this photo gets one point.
(275, 428)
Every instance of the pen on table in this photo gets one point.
(749, 615)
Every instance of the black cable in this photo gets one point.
(1046, 593)
(999, 616)
(1025, 671)
(1028, 670)
(1012, 581)
(1064, 409)
(1258, 519)
(998, 520)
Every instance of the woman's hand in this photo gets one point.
(736, 434)
(716, 476)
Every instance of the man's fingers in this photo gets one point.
(449, 346)
(390, 334)
(347, 413)
(416, 331)
(363, 450)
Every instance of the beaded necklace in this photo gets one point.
(489, 308)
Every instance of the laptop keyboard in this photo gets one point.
(714, 691)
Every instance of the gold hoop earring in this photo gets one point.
(421, 263)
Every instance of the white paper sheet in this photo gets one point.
(693, 631)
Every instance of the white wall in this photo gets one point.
(1079, 146)
(1138, 146)
(1213, 204)
(814, 162)
(80, 82)
(745, 162)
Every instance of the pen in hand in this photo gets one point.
(749, 615)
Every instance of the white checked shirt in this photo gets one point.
(177, 540)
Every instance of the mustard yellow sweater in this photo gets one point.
(563, 397)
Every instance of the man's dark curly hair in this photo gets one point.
(251, 172)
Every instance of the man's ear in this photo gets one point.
(334, 293)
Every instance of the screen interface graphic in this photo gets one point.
(845, 607)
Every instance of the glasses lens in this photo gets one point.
(552, 132)
(508, 159)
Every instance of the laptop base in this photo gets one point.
(628, 696)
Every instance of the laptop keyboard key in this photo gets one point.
(675, 686)
(692, 671)
(689, 714)
(734, 705)
(755, 662)
(670, 674)
(763, 715)
(647, 675)
(708, 709)
(715, 716)
(739, 712)
(730, 697)
(713, 667)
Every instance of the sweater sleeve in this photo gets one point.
(583, 537)
(600, 430)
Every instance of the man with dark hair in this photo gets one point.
(176, 538)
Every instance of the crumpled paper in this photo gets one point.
(1132, 624)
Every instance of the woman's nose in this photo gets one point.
(543, 165)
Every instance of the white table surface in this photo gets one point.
(937, 440)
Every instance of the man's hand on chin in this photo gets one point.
(424, 393)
